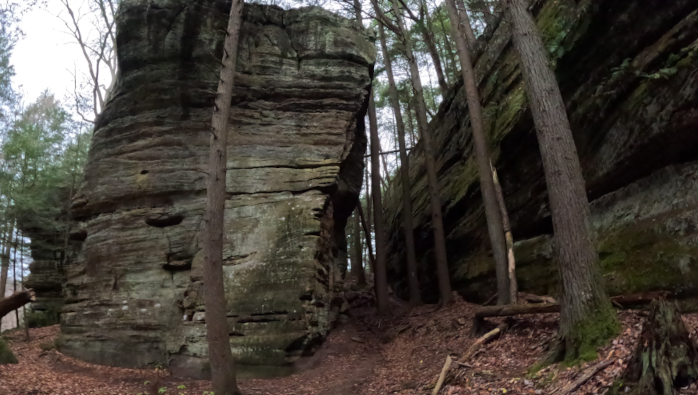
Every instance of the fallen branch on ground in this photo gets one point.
(471, 351)
(442, 376)
(586, 376)
(15, 301)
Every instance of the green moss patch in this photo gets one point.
(6, 355)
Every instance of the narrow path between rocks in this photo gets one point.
(400, 354)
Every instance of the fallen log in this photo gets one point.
(539, 308)
(639, 299)
(530, 298)
(516, 309)
(15, 301)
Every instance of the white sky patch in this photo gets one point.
(47, 55)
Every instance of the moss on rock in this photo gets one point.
(6, 355)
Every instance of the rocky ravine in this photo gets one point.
(295, 167)
(628, 71)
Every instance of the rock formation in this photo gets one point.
(629, 74)
(295, 155)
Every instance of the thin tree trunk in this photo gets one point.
(407, 218)
(220, 356)
(369, 247)
(511, 259)
(369, 210)
(357, 267)
(436, 60)
(410, 119)
(6, 259)
(587, 319)
(425, 135)
(14, 273)
(493, 215)
(24, 307)
(464, 26)
(380, 275)
(449, 50)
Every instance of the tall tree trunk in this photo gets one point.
(410, 119)
(369, 203)
(14, 273)
(587, 319)
(220, 356)
(449, 50)
(357, 267)
(380, 279)
(428, 37)
(24, 307)
(369, 246)
(407, 218)
(509, 237)
(465, 28)
(493, 215)
(6, 259)
(425, 135)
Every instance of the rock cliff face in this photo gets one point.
(628, 71)
(295, 154)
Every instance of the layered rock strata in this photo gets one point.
(628, 72)
(296, 145)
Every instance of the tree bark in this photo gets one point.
(587, 319)
(508, 237)
(6, 259)
(380, 274)
(357, 267)
(407, 216)
(15, 301)
(493, 214)
(425, 135)
(220, 356)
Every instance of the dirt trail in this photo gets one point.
(401, 354)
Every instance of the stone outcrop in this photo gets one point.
(51, 253)
(628, 72)
(295, 154)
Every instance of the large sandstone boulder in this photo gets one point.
(628, 71)
(295, 153)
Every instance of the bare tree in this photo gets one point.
(587, 319)
(217, 331)
(94, 31)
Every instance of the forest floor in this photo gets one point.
(400, 354)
